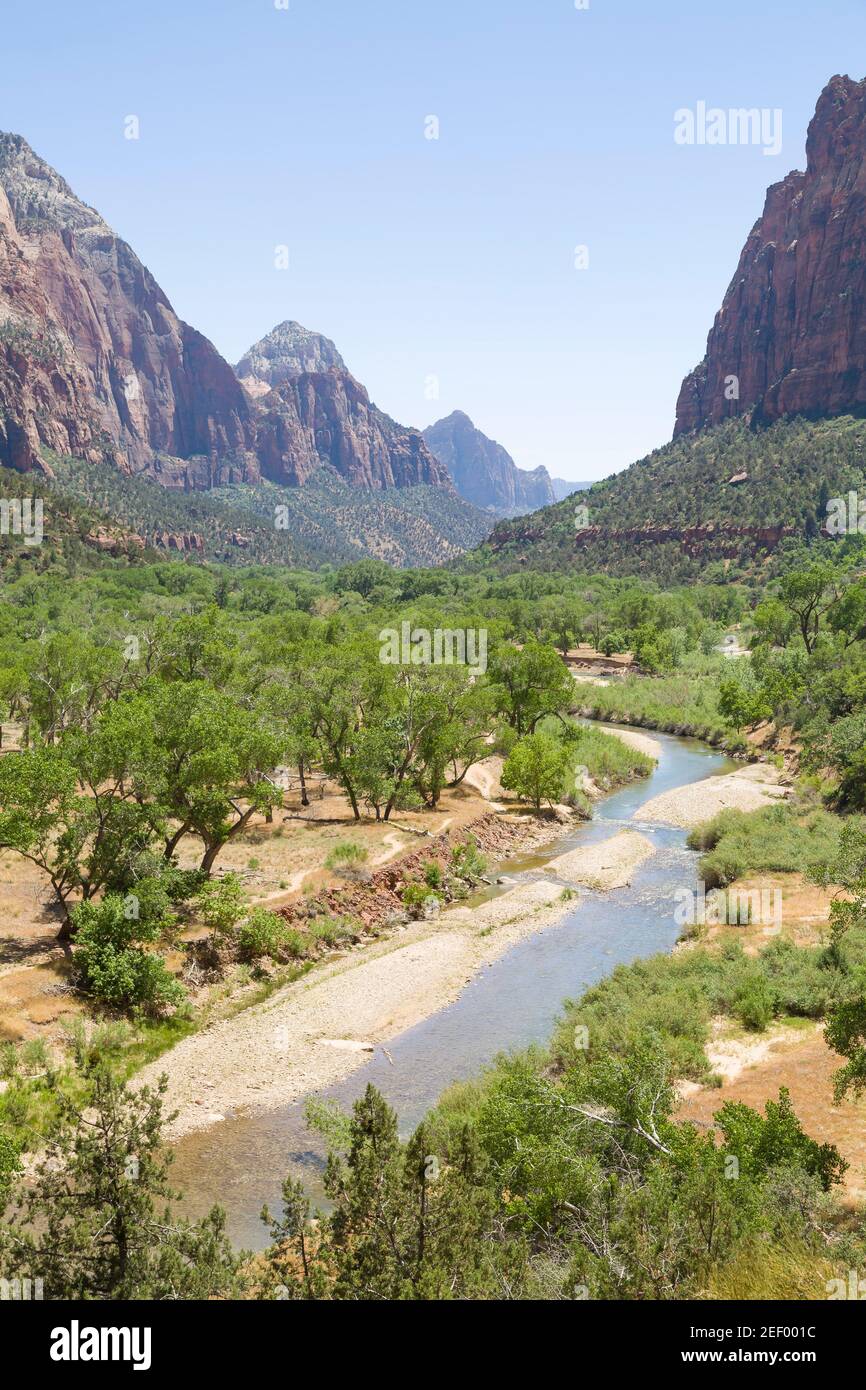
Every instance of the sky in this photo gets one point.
(445, 269)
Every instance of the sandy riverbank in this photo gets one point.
(747, 789)
(610, 864)
(312, 1033)
(642, 743)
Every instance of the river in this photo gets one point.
(241, 1163)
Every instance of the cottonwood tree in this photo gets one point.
(810, 594)
(537, 769)
(530, 684)
(203, 760)
(68, 809)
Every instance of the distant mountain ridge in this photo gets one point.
(310, 412)
(95, 366)
(483, 471)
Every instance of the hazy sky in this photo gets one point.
(452, 258)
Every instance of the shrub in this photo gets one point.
(110, 960)
(754, 1003)
(333, 930)
(262, 934)
(467, 862)
(418, 899)
(775, 839)
(346, 854)
(221, 904)
(433, 874)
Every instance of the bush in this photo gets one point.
(332, 931)
(783, 838)
(110, 960)
(221, 904)
(418, 899)
(754, 1003)
(467, 862)
(433, 874)
(347, 855)
(262, 934)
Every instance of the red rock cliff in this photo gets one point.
(792, 327)
(93, 359)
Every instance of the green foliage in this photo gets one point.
(675, 997)
(93, 1221)
(685, 702)
(467, 863)
(755, 1002)
(776, 1140)
(112, 961)
(347, 854)
(608, 761)
(404, 1224)
(537, 769)
(792, 467)
(263, 933)
(419, 899)
(221, 903)
(529, 684)
(775, 839)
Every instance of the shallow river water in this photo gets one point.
(515, 1001)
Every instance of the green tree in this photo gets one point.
(111, 959)
(537, 769)
(405, 1223)
(809, 594)
(204, 761)
(94, 1221)
(530, 684)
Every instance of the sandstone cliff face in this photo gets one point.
(327, 417)
(792, 328)
(95, 363)
(93, 359)
(43, 388)
(484, 472)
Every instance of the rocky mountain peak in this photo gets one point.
(288, 351)
(483, 471)
(38, 195)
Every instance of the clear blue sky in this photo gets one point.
(451, 258)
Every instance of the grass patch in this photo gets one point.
(676, 997)
(685, 702)
(345, 855)
(775, 839)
